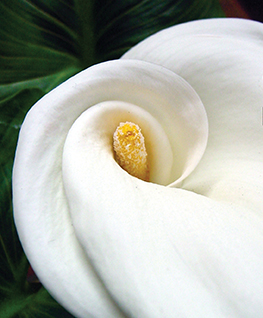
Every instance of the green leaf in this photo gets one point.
(42, 43)
(122, 24)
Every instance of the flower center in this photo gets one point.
(130, 151)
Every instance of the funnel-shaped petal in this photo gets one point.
(174, 124)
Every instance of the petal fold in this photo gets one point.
(222, 60)
(177, 123)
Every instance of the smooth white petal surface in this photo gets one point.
(161, 252)
(166, 252)
(174, 123)
(222, 60)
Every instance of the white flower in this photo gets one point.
(190, 242)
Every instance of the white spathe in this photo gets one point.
(222, 60)
(174, 122)
(106, 244)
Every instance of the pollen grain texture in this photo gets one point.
(130, 151)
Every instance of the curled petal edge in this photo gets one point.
(40, 205)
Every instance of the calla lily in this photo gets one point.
(189, 242)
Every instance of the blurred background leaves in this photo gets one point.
(42, 43)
